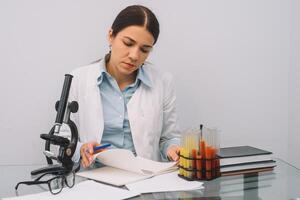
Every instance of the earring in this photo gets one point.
(109, 49)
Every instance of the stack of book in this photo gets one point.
(245, 159)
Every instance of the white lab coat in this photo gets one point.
(151, 111)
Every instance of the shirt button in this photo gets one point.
(120, 116)
(120, 98)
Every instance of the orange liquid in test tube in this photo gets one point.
(208, 156)
(213, 163)
(202, 148)
(199, 166)
(202, 156)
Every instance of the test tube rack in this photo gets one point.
(198, 168)
(198, 159)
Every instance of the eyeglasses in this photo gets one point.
(55, 184)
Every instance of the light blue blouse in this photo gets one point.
(116, 123)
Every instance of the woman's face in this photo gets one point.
(129, 49)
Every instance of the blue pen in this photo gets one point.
(102, 146)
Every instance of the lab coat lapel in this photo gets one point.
(142, 132)
(135, 114)
(94, 115)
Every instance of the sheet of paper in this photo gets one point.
(124, 159)
(153, 167)
(111, 175)
(164, 183)
(119, 158)
(87, 190)
(122, 167)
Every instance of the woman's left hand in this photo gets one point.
(173, 153)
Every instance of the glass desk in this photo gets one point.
(282, 183)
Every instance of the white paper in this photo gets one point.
(164, 183)
(119, 158)
(154, 167)
(113, 176)
(122, 167)
(124, 159)
(86, 190)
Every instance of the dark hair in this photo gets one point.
(136, 15)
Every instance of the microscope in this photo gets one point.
(67, 146)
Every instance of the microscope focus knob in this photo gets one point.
(73, 106)
(68, 151)
(56, 105)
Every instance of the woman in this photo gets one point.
(124, 101)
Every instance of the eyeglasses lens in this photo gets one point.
(56, 185)
(70, 179)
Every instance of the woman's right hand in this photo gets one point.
(87, 153)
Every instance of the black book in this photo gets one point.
(243, 155)
(248, 166)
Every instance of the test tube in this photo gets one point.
(186, 154)
(181, 161)
(190, 156)
(202, 156)
(188, 151)
(183, 153)
(216, 166)
(195, 149)
(213, 147)
(208, 152)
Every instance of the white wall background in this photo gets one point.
(231, 60)
(294, 87)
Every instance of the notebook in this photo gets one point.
(122, 167)
(248, 171)
(243, 154)
(248, 166)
